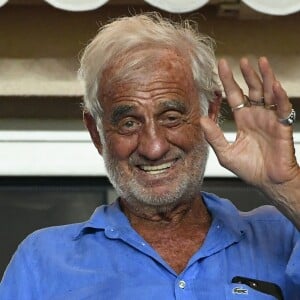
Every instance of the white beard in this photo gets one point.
(188, 182)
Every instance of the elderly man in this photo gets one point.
(151, 106)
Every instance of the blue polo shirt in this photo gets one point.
(105, 258)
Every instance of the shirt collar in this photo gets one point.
(227, 226)
(224, 214)
(105, 216)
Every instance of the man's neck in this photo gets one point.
(186, 212)
(175, 234)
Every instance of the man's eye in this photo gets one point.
(128, 126)
(172, 119)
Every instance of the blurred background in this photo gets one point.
(50, 173)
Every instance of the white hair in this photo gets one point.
(123, 35)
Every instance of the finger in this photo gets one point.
(268, 79)
(232, 90)
(284, 106)
(273, 91)
(252, 79)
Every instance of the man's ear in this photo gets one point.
(214, 107)
(91, 126)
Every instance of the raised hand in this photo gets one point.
(263, 152)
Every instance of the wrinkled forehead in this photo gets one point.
(139, 65)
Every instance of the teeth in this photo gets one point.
(156, 169)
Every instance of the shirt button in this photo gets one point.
(111, 232)
(182, 284)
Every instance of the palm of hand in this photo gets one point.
(263, 152)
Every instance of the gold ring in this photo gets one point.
(271, 106)
(259, 102)
(246, 103)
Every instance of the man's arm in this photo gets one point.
(263, 153)
(18, 282)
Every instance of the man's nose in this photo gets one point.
(153, 143)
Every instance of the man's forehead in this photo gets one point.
(144, 75)
(140, 62)
(147, 74)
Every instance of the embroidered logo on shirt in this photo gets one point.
(239, 291)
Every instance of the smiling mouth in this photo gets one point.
(158, 169)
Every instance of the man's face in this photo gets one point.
(153, 147)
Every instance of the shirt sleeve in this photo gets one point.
(19, 282)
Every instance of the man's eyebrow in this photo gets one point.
(173, 105)
(119, 112)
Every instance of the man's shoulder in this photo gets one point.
(264, 212)
(53, 234)
(265, 215)
(58, 236)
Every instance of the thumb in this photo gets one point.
(215, 137)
